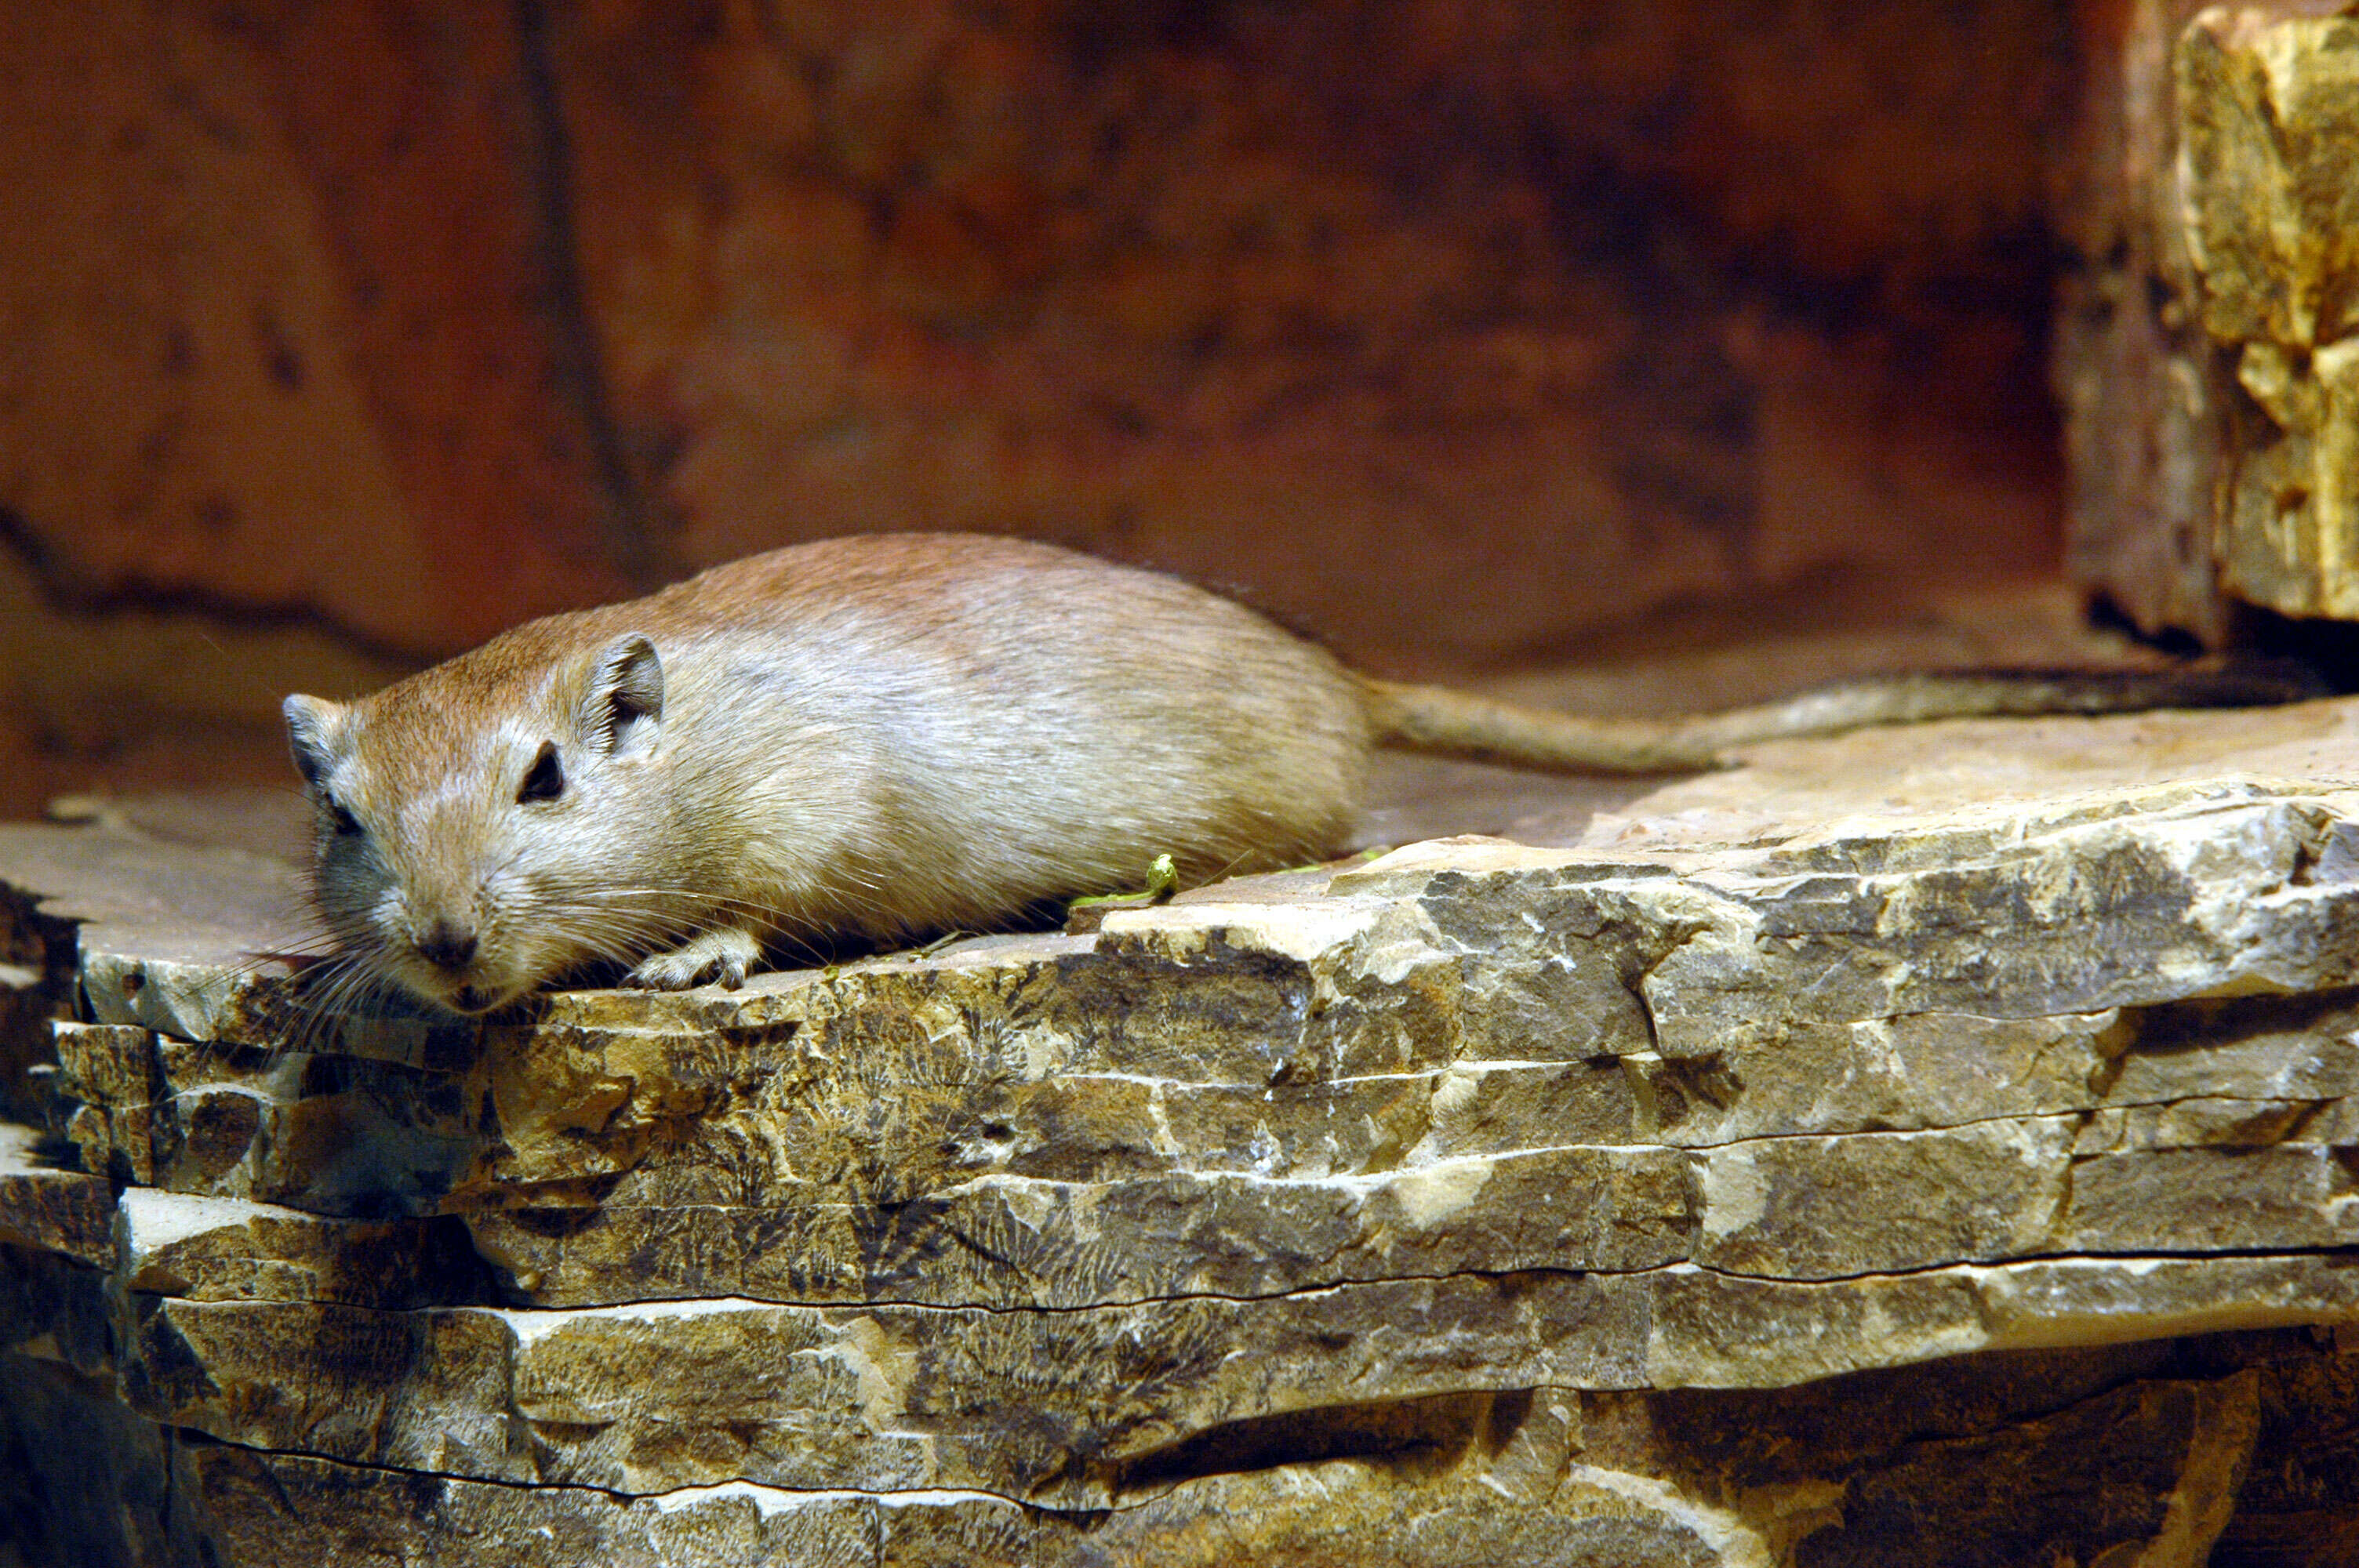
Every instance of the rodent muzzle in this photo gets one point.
(447, 944)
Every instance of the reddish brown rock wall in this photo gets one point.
(1454, 331)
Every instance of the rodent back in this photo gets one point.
(1014, 722)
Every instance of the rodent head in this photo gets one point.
(469, 819)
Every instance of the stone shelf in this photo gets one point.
(1934, 1145)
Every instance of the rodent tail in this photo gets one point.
(1457, 724)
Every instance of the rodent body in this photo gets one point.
(864, 737)
(878, 737)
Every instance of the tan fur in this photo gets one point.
(867, 737)
(884, 736)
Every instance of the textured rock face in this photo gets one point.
(1944, 1157)
(343, 335)
(2206, 353)
(430, 318)
(2270, 124)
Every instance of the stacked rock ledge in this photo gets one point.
(1950, 1157)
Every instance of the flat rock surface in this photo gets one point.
(1354, 1199)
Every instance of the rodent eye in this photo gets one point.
(544, 780)
(344, 823)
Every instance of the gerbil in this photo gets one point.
(877, 736)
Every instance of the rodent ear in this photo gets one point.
(625, 698)
(311, 725)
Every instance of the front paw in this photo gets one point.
(723, 955)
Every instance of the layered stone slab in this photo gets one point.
(2196, 1176)
(1472, 1057)
(655, 1395)
(1299, 1196)
(45, 1209)
(2224, 1445)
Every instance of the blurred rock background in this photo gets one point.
(1468, 335)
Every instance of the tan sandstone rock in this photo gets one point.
(2207, 358)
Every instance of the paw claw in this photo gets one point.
(723, 955)
(663, 973)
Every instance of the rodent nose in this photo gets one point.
(447, 944)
